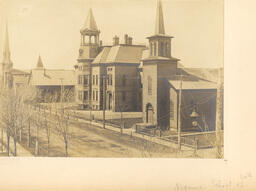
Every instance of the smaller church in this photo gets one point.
(52, 85)
(169, 92)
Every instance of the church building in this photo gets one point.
(170, 91)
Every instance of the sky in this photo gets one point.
(51, 28)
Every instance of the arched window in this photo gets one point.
(151, 48)
(154, 48)
(167, 49)
(161, 49)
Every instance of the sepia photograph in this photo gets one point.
(112, 79)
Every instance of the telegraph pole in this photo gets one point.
(219, 119)
(104, 99)
(179, 117)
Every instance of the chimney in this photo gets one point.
(115, 40)
(126, 39)
(130, 40)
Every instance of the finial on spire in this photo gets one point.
(159, 27)
(39, 63)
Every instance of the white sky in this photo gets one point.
(51, 28)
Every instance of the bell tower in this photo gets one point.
(89, 49)
(89, 45)
(157, 67)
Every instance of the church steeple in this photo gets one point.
(159, 25)
(160, 43)
(39, 63)
(6, 52)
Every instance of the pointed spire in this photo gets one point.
(6, 52)
(39, 63)
(90, 24)
(159, 27)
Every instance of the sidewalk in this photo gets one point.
(132, 132)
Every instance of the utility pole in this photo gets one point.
(104, 99)
(179, 117)
(219, 112)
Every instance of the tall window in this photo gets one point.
(93, 79)
(85, 95)
(149, 85)
(123, 96)
(154, 48)
(124, 80)
(97, 95)
(167, 49)
(93, 95)
(79, 80)
(96, 79)
(110, 79)
(85, 79)
(151, 48)
(161, 49)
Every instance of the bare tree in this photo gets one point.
(47, 127)
(63, 127)
(122, 108)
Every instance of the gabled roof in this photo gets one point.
(193, 85)
(120, 54)
(210, 74)
(47, 77)
(19, 72)
(190, 81)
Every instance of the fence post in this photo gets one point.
(196, 146)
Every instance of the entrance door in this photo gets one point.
(149, 114)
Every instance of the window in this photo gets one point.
(93, 95)
(85, 79)
(124, 80)
(161, 49)
(85, 95)
(96, 95)
(93, 79)
(154, 48)
(167, 49)
(123, 96)
(149, 85)
(151, 48)
(96, 79)
(110, 79)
